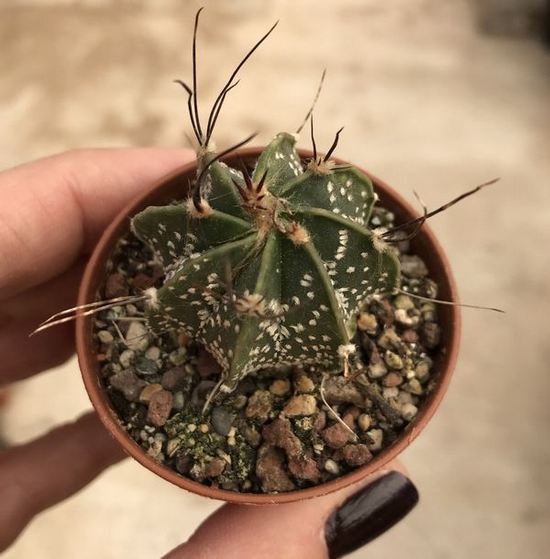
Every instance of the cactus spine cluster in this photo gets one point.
(269, 268)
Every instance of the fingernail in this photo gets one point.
(369, 513)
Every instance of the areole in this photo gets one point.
(175, 187)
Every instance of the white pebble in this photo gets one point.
(137, 336)
(332, 467)
(377, 436)
(126, 358)
(364, 421)
(153, 353)
(409, 411)
(105, 336)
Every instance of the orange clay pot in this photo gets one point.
(174, 187)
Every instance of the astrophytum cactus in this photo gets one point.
(268, 269)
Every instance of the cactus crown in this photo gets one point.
(267, 268)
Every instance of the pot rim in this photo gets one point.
(432, 253)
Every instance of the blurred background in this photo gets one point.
(437, 96)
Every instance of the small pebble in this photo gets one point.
(378, 370)
(145, 366)
(222, 419)
(153, 353)
(392, 379)
(303, 404)
(128, 383)
(332, 467)
(280, 387)
(336, 436)
(304, 384)
(408, 411)
(389, 339)
(403, 302)
(356, 454)
(172, 446)
(179, 401)
(259, 405)
(215, 467)
(376, 437)
(160, 406)
(174, 379)
(137, 336)
(422, 370)
(409, 336)
(364, 421)
(105, 337)
(126, 358)
(413, 266)
(390, 392)
(148, 391)
(402, 317)
(414, 387)
(430, 334)
(366, 322)
(178, 357)
(393, 361)
(204, 428)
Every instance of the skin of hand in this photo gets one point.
(52, 212)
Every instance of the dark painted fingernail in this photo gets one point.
(369, 513)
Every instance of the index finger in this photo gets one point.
(53, 210)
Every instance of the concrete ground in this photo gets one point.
(430, 104)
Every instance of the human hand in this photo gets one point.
(51, 214)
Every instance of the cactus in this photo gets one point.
(269, 269)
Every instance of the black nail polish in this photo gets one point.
(369, 513)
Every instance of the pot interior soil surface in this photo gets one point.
(278, 431)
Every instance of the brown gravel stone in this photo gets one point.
(128, 383)
(259, 405)
(174, 379)
(336, 436)
(279, 433)
(116, 286)
(304, 384)
(304, 467)
(271, 471)
(356, 454)
(303, 404)
(148, 391)
(319, 421)
(215, 467)
(339, 391)
(409, 336)
(392, 379)
(159, 408)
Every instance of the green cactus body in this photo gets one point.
(269, 271)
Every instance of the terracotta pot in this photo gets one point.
(175, 186)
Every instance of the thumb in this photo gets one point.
(329, 526)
